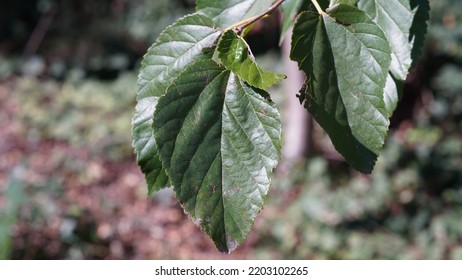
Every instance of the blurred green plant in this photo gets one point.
(91, 113)
(407, 209)
(445, 30)
(14, 196)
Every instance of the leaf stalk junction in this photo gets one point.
(317, 6)
(246, 22)
(241, 25)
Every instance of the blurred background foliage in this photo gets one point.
(70, 188)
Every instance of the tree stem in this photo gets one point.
(317, 6)
(246, 22)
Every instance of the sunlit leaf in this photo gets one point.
(290, 8)
(395, 19)
(404, 23)
(219, 141)
(227, 12)
(178, 46)
(235, 55)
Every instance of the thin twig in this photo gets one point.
(318, 7)
(244, 23)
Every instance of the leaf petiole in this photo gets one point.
(241, 25)
(318, 7)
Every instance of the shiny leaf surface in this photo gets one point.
(227, 12)
(219, 141)
(235, 55)
(178, 46)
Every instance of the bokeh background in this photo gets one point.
(70, 187)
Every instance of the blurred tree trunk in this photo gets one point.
(297, 121)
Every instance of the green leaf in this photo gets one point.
(235, 55)
(227, 12)
(346, 2)
(404, 22)
(219, 141)
(346, 58)
(391, 95)
(290, 8)
(178, 46)
(145, 145)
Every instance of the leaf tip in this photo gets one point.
(231, 244)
